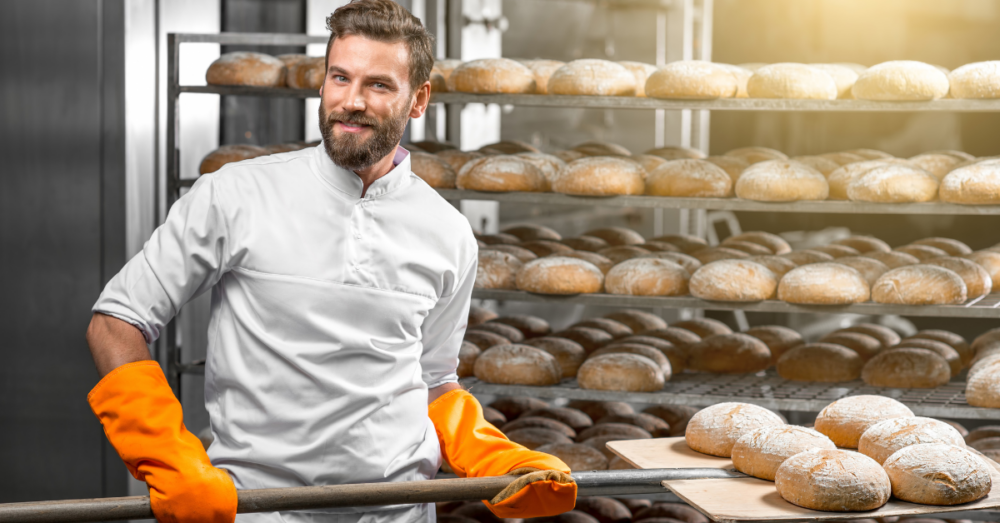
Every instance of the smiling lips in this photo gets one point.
(352, 127)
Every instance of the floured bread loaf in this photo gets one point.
(778, 265)
(953, 340)
(508, 147)
(676, 153)
(884, 438)
(864, 345)
(761, 451)
(678, 337)
(938, 474)
(977, 281)
(833, 480)
(692, 79)
(807, 257)
(837, 251)
(906, 369)
(616, 329)
(824, 165)
(715, 430)
(568, 353)
(501, 174)
(843, 158)
(214, 160)
(976, 80)
(433, 169)
(870, 268)
(901, 80)
(677, 356)
(576, 456)
(865, 244)
(620, 372)
(560, 275)
(920, 285)
(987, 260)
(457, 159)
(497, 270)
(246, 68)
(641, 72)
(823, 284)
(781, 181)
(589, 338)
(893, 184)
(467, 355)
(585, 243)
(922, 252)
(778, 339)
(774, 243)
(844, 176)
(601, 262)
(886, 336)
(733, 165)
(598, 148)
(548, 163)
(756, 154)
(621, 253)
(788, 80)
(600, 176)
(542, 248)
(948, 245)
(492, 75)
(592, 77)
(734, 353)
(845, 420)
(734, 280)
(685, 242)
(689, 178)
(843, 77)
(647, 277)
(542, 71)
(942, 349)
(937, 164)
(893, 259)
(704, 327)
(982, 388)
(712, 254)
(975, 184)
(640, 350)
(617, 236)
(517, 365)
(820, 362)
(638, 321)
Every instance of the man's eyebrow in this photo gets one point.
(380, 78)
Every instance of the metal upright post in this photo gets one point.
(169, 337)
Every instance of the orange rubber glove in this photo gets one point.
(143, 420)
(474, 448)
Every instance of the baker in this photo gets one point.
(341, 285)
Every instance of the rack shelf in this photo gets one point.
(986, 307)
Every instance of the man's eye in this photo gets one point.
(340, 78)
(379, 85)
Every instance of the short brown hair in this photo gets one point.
(385, 21)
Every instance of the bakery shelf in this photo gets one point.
(985, 307)
(766, 389)
(727, 204)
(246, 90)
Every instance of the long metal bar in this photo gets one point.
(251, 38)
(173, 187)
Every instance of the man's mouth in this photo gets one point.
(351, 127)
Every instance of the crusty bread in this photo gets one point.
(692, 79)
(601, 148)
(677, 356)
(807, 257)
(616, 329)
(761, 451)
(308, 73)
(620, 253)
(620, 372)
(457, 159)
(777, 338)
(781, 181)
(953, 340)
(988, 260)
(542, 248)
(601, 262)
(704, 327)
(906, 369)
(497, 270)
(938, 474)
(870, 268)
(585, 243)
(824, 165)
(836, 251)
(467, 355)
(560, 275)
(597, 410)
(517, 365)
(479, 315)
(901, 80)
(922, 252)
(689, 178)
(893, 183)
(649, 162)
(949, 245)
(433, 169)
(864, 345)
(576, 456)
(513, 407)
(508, 332)
(845, 420)
(842, 178)
(982, 388)
(753, 249)
(774, 243)
(789, 80)
(976, 80)
(575, 418)
(547, 163)
(685, 242)
(568, 353)
(589, 338)
(508, 147)
(645, 351)
(734, 280)
(712, 254)
(820, 362)
(641, 72)
(886, 336)
(843, 77)
(833, 480)
(647, 277)
(592, 77)
(534, 437)
(529, 232)
(975, 184)
(529, 326)
(246, 68)
(600, 176)
(537, 422)
(542, 70)
(893, 259)
(938, 164)
(742, 77)
(734, 353)
(823, 284)
(638, 321)
(662, 512)
(715, 430)
(977, 281)
(501, 174)
(843, 157)
(920, 285)
(865, 244)
(674, 152)
(756, 154)
(733, 165)
(680, 338)
(884, 438)
(617, 235)
(492, 76)
(214, 160)
(778, 265)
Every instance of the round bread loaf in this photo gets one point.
(824, 165)
(457, 159)
(865, 244)
(715, 430)
(589, 338)
(777, 338)
(598, 410)
(685, 242)
(620, 372)
(807, 257)
(906, 369)
(517, 365)
(843, 157)
(820, 362)
(977, 281)
(761, 451)
(508, 147)
(575, 418)
(948, 245)
(937, 164)
(538, 422)
(692, 79)
(893, 259)
(617, 236)
(864, 345)
(870, 268)
(246, 68)
(734, 280)
(844, 78)
(731, 164)
(842, 178)
(543, 248)
(522, 254)
(788, 80)
(585, 243)
(433, 169)
(621, 253)
(467, 355)
(641, 72)
(756, 154)
(778, 265)
(308, 73)
(568, 353)
(953, 340)
(597, 260)
(640, 350)
(734, 353)
(884, 438)
(542, 71)
(677, 356)
(214, 160)
(600, 176)
(753, 249)
(529, 326)
(922, 252)
(988, 260)
(845, 420)
(837, 251)
(513, 407)
(529, 232)
(499, 238)
(870, 154)
(560, 275)
(742, 77)
(599, 148)
(976, 80)
(616, 329)
(938, 474)
(702, 327)
(673, 152)
(886, 336)
(833, 481)
(501, 174)
(893, 184)
(497, 270)
(901, 80)
(975, 184)
(982, 388)
(592, 77)
(781, 181)
(492, 75)
(614, 429)
(647, 277)
(774, 243)
(823, 284)
(547, 163)
(681, 338)
(479, 315)
(690, 179)
(576, 456)
(920, 285)
(649, 162)
(638, 321)
(712, 254)
(534, 437)
(506, 331)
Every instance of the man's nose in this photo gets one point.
(355, 99)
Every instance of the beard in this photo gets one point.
(351, 151)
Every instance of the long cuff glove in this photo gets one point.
(475, 448)
(144, 422)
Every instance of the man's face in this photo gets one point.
(366, 100)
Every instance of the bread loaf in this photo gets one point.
(988, 260)
(906, 369)
(467, 355)
(778, 265)
(729, 354)
(492, 76)
(677, 356)
(592, 77)
(536, 422)
(807, 257)
(870, 268)
(976, 80)
(680, 338)
(734, 280)
(843, 158)
(788, 80)
(919, 285)
(886, 336)
(825, 166)
(543, 248)
(761, 451)
(685, 242)
(542, 71)
(246, 68)
(501, 174)
(774, 243)
(672, 152)
(647, 277)
(901, 80)
(228, 154)
(585, 243)
(589, 338)
(937, 164)
(616, 329)
(982, 388)
(508, 147)
(506, 331)
(620, 372)
(975, 184)
(845, 420)
(689, 178)
(713, 254)
(433, 169)
(621, 253)
(820, 362)
(864, 345)
(777, 338)
(517, 365)
(922, 252)
(575, 418)
(753, 249)
(977, 281)
(597, 410)
(951, 246)
(457, 159)
(529, 326)
(781, 181)
(733, 165)
(499, 238)
(715, 430)
(841, 178)
(884, 438)
(497, 270)
(823, 284)
(865, 244)
(893, 184)
(640, 350)
(638, 321)
(703, 327)
(547, 163)
(576, 456)
(742, 78)
(843, 78)
(953, 340)
(833, 480)
(479, 315)
(534, 437)
(649, 162)
(893, 259)
(693, 80)
(307, 74)
(568, 353)
(938, 474)
(559, 275)
(641, 72)
(601, 262)
(756, 154)
(600, 176)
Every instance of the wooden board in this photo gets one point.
(665, 453)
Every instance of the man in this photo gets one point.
(340, 289)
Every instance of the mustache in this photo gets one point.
(356, 118)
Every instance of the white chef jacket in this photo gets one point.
(332, 314)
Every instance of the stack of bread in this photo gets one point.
(296, 71)
(919, 460)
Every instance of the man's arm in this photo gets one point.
(437, 392)
(114, 343)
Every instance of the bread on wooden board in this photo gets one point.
(845, 420)
(886, 437)
(938, 474)
(833, 480)
(715, 430)
(761, 451)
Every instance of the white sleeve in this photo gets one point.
(184, 257)
(444, 329)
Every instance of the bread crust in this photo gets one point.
(492, 75)
(692, 80)
(901, 80)
(647, 277)
(617, 236)
(761, 451)
(517, 365)
(756, 154)
(689, 179)
(886, 336)
(621, 372)
(433, 169)
(559, 275)
(734, 353)
(820, 362)
(497, 270)
(637, 320)
(501, 174)
(870, 268)
(864, 345)
(600, 176)
(886, 437)
(955, 341)
(576, 456)
(906, 369)
(734, 280)
(833, 480)
(976, 80)
(777, 338)
(845, 420)
(590, 77)
(774, 243)
(938, 474)
(975, 184)
(781, 181)
(246, 68)
(641, 72)
(823, 284)
(920, 285)
(715, 430)
(704, 327)
(790, 80)
(542, 71)
(865, 244)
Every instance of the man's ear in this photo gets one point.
(421, 100)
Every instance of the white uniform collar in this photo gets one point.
(348, 182)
